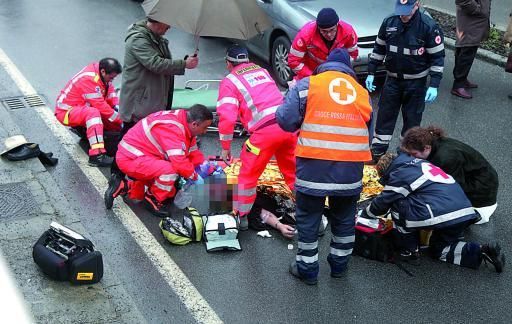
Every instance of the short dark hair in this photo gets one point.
(198, 113)
(151, 20)
(110, 65)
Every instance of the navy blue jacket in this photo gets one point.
(422, 195)
(319, 177)
(411, 51)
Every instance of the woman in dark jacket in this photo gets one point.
(466, 165)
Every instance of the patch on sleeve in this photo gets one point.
(438, 39)
(300, 43)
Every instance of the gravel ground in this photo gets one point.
(447, 23)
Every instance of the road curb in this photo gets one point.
(482, 54)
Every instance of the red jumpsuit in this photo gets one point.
(250, 93)
(86, 101)
(156, 151)
(309, 50)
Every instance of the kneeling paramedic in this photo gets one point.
(420, 196)
(249, 92)
(89, 100)
(156, 152)
(333, 113)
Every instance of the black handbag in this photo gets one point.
(64, 255)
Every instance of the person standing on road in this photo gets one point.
(248, 92)
(149, 70)
(473, 26)
(467, 166)
(317, 39)
(507, 38)
(89, 100)
(156, 152)
(333, 113)
(410, 44)
(421, 196)
(148, 82)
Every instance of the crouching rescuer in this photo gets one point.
(89, 100)
(420, 196)
(155, 153)
(333, 113)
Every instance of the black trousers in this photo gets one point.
(464, 57)
(407, 96)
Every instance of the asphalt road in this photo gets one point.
(49, 43)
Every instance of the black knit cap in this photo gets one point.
(326, 18)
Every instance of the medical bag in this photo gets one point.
(64, 255)
(373, 239)
(220, 232)
(183, 232)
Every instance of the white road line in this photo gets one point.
(176, 279)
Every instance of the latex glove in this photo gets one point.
(226, 156)
(431, 95)
(205, 169)
(369, 83)
(195, 178)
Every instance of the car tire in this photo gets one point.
(279, 60)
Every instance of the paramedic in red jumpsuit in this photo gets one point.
(248, 92)
(317, 39)
(158, 150)
(89, 100)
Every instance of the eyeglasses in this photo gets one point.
(328, 31)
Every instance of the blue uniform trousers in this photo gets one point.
(445, 244)
(408, 95)
(342, 211)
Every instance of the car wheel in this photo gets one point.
(280, 50)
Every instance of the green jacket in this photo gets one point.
(148, 74)
(469, 168)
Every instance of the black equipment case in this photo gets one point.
(64, 255)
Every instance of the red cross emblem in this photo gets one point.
(344, 91)
(435, 171)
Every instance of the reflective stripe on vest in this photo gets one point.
(147, 130)
(256, 115)
(334, 126)
(75, 79)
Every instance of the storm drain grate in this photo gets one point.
(16, 200)
(23, 102)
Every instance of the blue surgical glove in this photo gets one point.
(369, 83)
(205, 169)
(431, 95)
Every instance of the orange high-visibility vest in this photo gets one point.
(334, 126)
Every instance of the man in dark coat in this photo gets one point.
(473, 27)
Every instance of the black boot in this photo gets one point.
(492, 253)
(157, 208)
(100, 160)
(116, 186)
